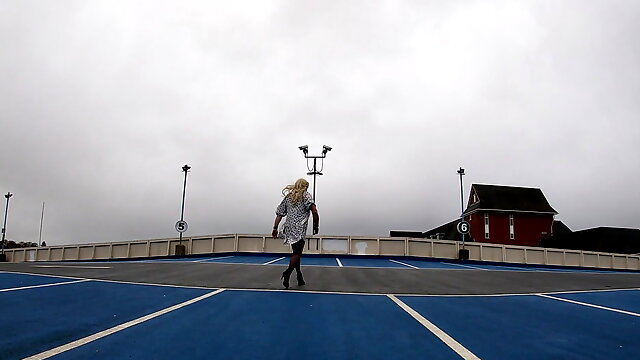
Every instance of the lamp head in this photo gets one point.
(326, 149)
(460, 171)
(304, 148)
(186, 168)
(8, 195)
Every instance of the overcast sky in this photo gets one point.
(103, 102)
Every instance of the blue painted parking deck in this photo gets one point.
(39, 319)
(427, 264)
(196, 323)
(275, 325)
(531, 327)
(375, 262)
(369, 262)
(311, 261)
(243, 259)
(10, 280)
(627, 300)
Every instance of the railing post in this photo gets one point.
(406, 246)
(546, 260)
(236, 240)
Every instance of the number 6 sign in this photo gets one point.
(463, 227)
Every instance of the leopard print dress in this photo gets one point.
(297, 218)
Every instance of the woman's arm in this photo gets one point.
(274, 233)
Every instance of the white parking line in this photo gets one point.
(466, 266)
(401, 263)
(115, 329)
(589, 305)
(215, 258)
(43, 285)
(272, 261)
(448, 340)
(339, 262)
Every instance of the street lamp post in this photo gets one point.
(4, 225)
(463, 227)
(41, 220)
(181, 225)
(315, 171)
(461, 173)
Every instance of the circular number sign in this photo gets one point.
(181, 226)
(463, 227)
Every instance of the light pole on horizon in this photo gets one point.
(41, 220)
(461, 173)
(314, 172)
(4, 225)
(184, 192)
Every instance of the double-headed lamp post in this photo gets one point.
(315, 171)
(4, 225)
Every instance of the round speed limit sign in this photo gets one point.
(181, 226)
(463, 227)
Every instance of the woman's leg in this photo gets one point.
(295, 260)
(287, 273)
(294, 263)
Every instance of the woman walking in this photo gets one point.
(296, 205)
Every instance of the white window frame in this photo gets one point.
(486, 225)
(512, 233)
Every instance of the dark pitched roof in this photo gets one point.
(605, 239)
(508, 198)
(560, 228)
(447, 231)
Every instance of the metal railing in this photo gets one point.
(332, 245)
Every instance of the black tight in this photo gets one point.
(294, 261)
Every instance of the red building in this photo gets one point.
(503, 215)
(508, 215)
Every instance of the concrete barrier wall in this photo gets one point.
(330, 245)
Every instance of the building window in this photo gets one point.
(486, 225)
(512, 234)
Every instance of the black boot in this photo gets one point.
(285, 278)
(300, 279)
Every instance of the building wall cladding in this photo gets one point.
(529, 229)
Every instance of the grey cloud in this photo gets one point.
(102, 103)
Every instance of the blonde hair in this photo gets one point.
(296, 191)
